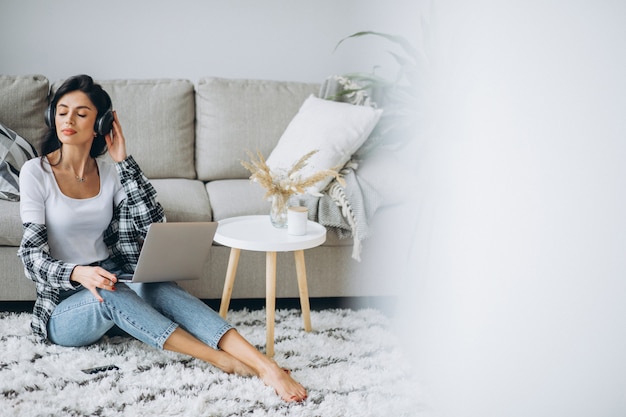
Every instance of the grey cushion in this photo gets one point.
(231, 198)
(238, 115)
(183, 200)
(24, 101)
(157, 117)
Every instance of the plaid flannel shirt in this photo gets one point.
(123, 237)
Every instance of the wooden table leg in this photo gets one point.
(304, 291)
(270, 300)
(231, 271)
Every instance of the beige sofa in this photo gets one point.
(189, 140)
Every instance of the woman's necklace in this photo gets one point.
(76, 176)
(79, 178)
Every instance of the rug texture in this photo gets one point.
(351, 364)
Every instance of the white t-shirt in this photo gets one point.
(75, 226)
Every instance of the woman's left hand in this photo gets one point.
(115, 141)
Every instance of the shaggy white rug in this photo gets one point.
(351, 365)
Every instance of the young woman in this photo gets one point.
(83, 219)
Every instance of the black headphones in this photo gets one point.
(103, 125)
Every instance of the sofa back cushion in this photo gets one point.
(23, 102)
(234, 116)
(157, 117)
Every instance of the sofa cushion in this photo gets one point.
(231, 198)
(10, 223)
(183, 200)
(233, 116)
(157, 117)
(335, 130)
(23, 104)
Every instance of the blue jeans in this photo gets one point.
(148, 312)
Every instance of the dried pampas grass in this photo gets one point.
(285, 183)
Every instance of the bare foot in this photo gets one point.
(231, 365)
(287, 370)
(285, 386)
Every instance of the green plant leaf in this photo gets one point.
(399, 40)
(397, 94)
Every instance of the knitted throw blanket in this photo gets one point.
(345, 210)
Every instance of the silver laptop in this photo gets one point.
(173, 252)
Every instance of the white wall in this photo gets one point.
(516, 300)
(266, 39)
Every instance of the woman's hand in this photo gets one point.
(92, 277)
(115, 141)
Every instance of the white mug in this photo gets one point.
(296, 220)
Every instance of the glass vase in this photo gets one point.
(278, 210)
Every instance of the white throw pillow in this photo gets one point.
(335, 129)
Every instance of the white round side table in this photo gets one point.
(256, 233)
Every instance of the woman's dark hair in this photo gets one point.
(98, 97)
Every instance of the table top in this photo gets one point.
(256, 233)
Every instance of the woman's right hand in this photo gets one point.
(92, 277)
(116, 144)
